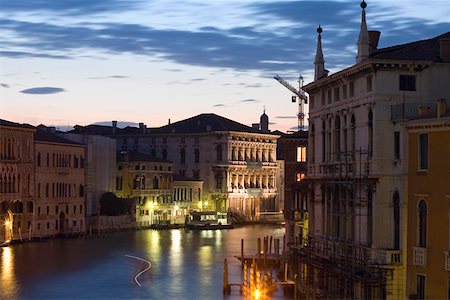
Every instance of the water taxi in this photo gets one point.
(208, 220)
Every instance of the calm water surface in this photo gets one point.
(185, 265)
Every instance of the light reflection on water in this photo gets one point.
(185, 265)
(8, 285)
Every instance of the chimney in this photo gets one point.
(374, 37)
(114, 127)
(169, 121)
(142, 127)
(441, 108)
(445, 50)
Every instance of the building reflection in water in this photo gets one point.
(8, 285)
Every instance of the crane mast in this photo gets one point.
(300, 94)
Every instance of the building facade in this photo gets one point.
(428, 245)
(357, 166)
(296, 193)
(237, 163)
(100, 168)
(59, 202)
(16, 180)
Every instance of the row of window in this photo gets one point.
(143, 167)
(10, 184)
(61, 190)
(336, 140)
(10, 148)
(57, 224)
(61, 160)
(56, 210)
(347, 91)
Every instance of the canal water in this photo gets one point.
(184, 265)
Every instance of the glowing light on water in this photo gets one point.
(7, 281)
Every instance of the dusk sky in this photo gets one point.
(68, 62)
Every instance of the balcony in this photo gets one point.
(447, 260)
(386, 257)
(419, 256)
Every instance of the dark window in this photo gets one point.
(396, 207)
(423, 151)
(119, 168)
(136, 167)
(81, 162)
(369, 83)
(322, 99)
(370, 132)
(183, 156)
(336, 94)
(81, 190)
(155, 183)
(420, 287)
(407, 83)
(219, 152)
(344, 91)
(39, 159)
(329, 96)
(153, 152)
(164, 140)
(196, 156)
(164, 153)
(397, 144)
(422, 224)
(196, 174)
(352, 89)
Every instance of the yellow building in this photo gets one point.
(16, 179)
(59, 185)
(428, 260)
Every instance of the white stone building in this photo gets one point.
(357, 163)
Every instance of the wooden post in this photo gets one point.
(285, 271)
(242, 253)
(284, 242)
(20, 235)
(29, 233)
(270, 245)
(259, 251)
(90, 230)
(277, 250)
(245, 284)
(226, 287)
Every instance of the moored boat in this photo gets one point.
(208, 220)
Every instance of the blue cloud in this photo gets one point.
(42, 90)
(240, 48)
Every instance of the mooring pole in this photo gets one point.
(242, 253)
(226, 287)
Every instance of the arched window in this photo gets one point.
(352, 136)
(197, 155)
(81, 190)
(422, 224)
(219, 152)
(323, 141)
(396, 211)
(155, 183)
(39, 159)
(370, 132)
(337, 138)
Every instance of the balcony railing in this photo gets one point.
(419, 256)
(447, 260)
(386, 257)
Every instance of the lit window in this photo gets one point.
(299, 176)
(301, 154)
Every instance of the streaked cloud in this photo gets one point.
(285, 117)
(249, 101)
(43, 90)
(4, 85)
(110, 76)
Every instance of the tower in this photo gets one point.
(319, 62)
(363, 39)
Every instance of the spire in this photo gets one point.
(363, 39)
(319, 62)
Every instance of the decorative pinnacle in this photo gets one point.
(319, 29)
(363, 4)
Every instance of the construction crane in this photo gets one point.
(298, 93)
